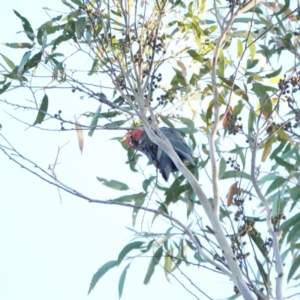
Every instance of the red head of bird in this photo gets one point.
(133, 137)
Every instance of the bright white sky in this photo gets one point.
(51, 250)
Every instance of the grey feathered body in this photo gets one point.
(159, 158)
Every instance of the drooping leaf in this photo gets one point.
(262, 271)
(277, 183)
(147, 182)
(284, 163)
(34, 61)
(195, 55)
(166, 121)
(122, 280)
(255, 236)
(128, 248)
(238, 108)
(80, 27)
(294, 268)
(222, 167)
(252, 48)
(42, 111)
(5, 87)
(114, 184)
(140, 197)
(237, 90)
(188, 122)
(23, 62)
(153, 263)
(26, 25)
(274, 74)
(104, 269)
(78, 2)
(288, 224)
(94, 121)
(294, 234)
(149, 246)
(267, 149)
(8, 61)
(239, 48)
(251, 120)
(168, 262)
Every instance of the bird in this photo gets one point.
(138, 139)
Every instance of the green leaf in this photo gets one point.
(277, 183)
(166, 121)
(221, 64)
(295, 266)
(26, 25)
(255, 236)
(173, 194)
(277, 150)
(267, 149)
(8, 61)
(237, 90)
(78, 2)
(140, 197)
(251, 119)
(262, 271)
(285, 227)
(188, 122)
(147, 182)
(294, 234)
(122, 280)
(67, 4)
(46, 29)
(34, 61)
(42, 111)
(283, 135)
(94, 121)
(60, 39)
(222, 168)
(274, 74)
(261, 91)
(128, 248)
(238, 108)
(295, 193)
(239, 48)
(252, 48)
(18, 45)
(97, 276)
(149, 246)
(115, 124)
(168, 262)
(178, 79)
(195, 56)
(284, 163)
(153, 263)
(284, 8)
(80, 27)
(15, 77)
(246, 20)
(114, 184)
(23, 62)
(235, 175)
(5, 87)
